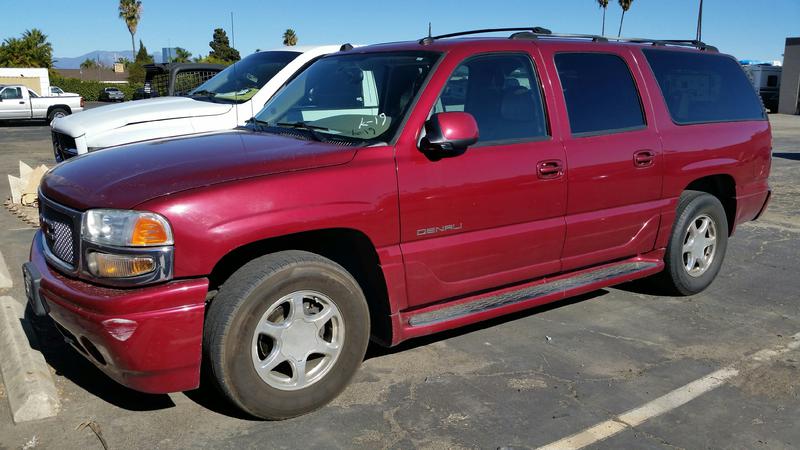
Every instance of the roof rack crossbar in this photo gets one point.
(539, 32)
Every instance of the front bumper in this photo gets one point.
(148, 339)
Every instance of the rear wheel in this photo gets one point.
(57, 113)
(286, 333)
(697, 245)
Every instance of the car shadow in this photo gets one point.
(69, 363)
(23, 123)
(792, 156)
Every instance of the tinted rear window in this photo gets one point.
(702, 87)
(600, 93)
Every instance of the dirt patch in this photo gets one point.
(27, 214)
(2, 390)
(776, 381)
(526, 384)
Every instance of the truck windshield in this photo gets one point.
(240, 81)
(351, 97)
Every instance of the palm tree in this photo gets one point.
(603, 4)
(289, 37)
(130, 11)
(626, 5)
(181, 55)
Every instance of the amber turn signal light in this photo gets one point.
(149, 231)
(106, 265)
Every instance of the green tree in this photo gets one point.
(221, 48)
(136, 70)
(625, 5)
(30, 50)
(130, 11)
(181, 55)
(289, 37)
(89, 63)
(604, 5)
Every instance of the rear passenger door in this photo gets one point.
(614, 155)
(485, 218)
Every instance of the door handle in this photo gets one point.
(550, 169)
(644, 158)
(21, 103)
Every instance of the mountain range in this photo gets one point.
(106, 58)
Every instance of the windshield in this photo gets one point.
(240, 81)
(358, 97)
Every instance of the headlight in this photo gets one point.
(123, 228)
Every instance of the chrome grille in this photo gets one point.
(58, 227)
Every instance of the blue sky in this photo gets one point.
(746, 29)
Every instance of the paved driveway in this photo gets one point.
(522, 381)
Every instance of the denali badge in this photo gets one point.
(434, 230)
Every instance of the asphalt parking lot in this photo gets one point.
(522, 381)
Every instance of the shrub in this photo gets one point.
(90, 90)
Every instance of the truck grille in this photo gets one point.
(59, 226)
(63, 146)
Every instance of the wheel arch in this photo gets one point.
(723, 187)
(64, 107)
(350, 248)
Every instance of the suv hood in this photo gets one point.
(123, 177)
(110, 117)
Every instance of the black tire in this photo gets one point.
(693, 205)
(239, 306)
(56, 112)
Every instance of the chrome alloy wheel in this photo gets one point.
(298, 340)
(59, 114)
(699, 245)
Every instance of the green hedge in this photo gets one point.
(90, 90)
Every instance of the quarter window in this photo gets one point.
(502, 93)
(600, 93)
(703, 87)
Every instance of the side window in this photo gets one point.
(600, 93)
(11, 93)
(502, 92)
(32, 94)
(703, 87)
(772, 81)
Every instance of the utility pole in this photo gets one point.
(700, 22)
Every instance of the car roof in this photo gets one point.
(563, 43)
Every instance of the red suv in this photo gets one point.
(394, 191)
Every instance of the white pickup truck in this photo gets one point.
(225, 101)
(17, 102)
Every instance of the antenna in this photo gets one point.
(700, 22)
(236, 96)
(429, 30)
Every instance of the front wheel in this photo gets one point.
(57, 113)
(697, 244)
(286, 333)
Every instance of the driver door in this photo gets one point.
(14, 105)
(487, 217)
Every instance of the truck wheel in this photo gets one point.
(56, 113)
(286, 333)
(697, 245)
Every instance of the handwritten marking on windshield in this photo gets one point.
(380, 120)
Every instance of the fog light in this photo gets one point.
(105, 265)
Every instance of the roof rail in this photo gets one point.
(539, 32)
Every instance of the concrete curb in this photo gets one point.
(5, 276)
(29, 385)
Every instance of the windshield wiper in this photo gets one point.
(260, 124)
(203, 93)
(312, 129)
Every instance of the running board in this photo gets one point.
(601, 277)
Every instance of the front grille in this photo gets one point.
(63, 146)
(59, 229)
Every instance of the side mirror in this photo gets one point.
(449, 134)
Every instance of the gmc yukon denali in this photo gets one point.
(393, 191)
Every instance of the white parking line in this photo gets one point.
(5, 276)
(668, 402)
